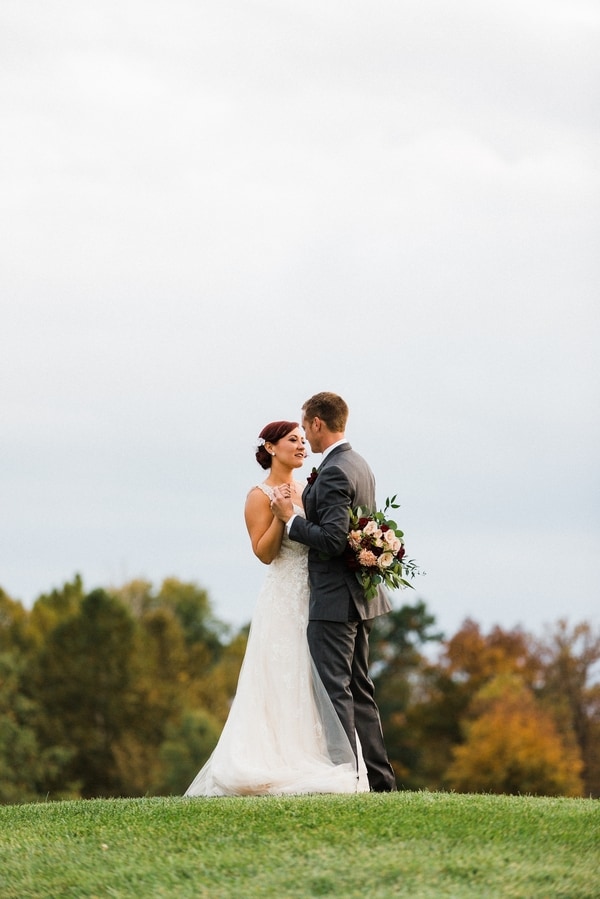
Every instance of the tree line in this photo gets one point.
(123, 692)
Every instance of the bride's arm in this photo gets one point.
(266, 531)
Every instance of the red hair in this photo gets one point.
(271, 433)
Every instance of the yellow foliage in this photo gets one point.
(512, 746)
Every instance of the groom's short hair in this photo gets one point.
(330, 408)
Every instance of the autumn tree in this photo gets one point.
(125, 691)
(512, 745)
(467, 662)
(556, 675)
(571, 691)
(473, 658)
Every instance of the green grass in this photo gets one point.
(369, 846)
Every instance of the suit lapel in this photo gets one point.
(343, 447)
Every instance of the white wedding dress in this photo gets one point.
(282, 735)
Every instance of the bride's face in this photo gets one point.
(291, 449)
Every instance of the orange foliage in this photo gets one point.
(513, 746)
(480, 657)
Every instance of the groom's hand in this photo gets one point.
(281, 506)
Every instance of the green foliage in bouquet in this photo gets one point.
(376, 551)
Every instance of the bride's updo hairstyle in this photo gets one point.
(271, 433)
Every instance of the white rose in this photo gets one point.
(385, 560)
(392, 541)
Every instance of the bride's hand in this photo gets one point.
(281, 504)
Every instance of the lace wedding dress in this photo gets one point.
(282, 735)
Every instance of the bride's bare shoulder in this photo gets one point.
(257, 493)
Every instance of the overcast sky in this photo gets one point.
(212, 210)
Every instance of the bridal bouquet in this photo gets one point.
(375, 550)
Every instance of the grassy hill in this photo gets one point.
(369, 846)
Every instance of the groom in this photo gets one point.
(340, 618)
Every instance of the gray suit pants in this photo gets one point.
(340, 650)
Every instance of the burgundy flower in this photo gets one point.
(351, 560)
(375, 551)
(312, 476)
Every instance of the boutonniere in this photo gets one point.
(312, 476)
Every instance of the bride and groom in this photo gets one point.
(304, 717)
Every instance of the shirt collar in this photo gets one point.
(333, 446)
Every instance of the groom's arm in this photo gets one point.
(334, 496)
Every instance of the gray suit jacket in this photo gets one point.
(344, 480)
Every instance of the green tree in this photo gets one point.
(83, 680)
(13, 623)
(191, 679)
(186, 748)
(112, 688)
(217, 688)
(187, 605)
(51, 608)
(191, 605)
(24, 764)
(188, 602)
(397, 665)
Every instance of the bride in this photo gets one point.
(282, 735)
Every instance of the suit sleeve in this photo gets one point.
(334, 496)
